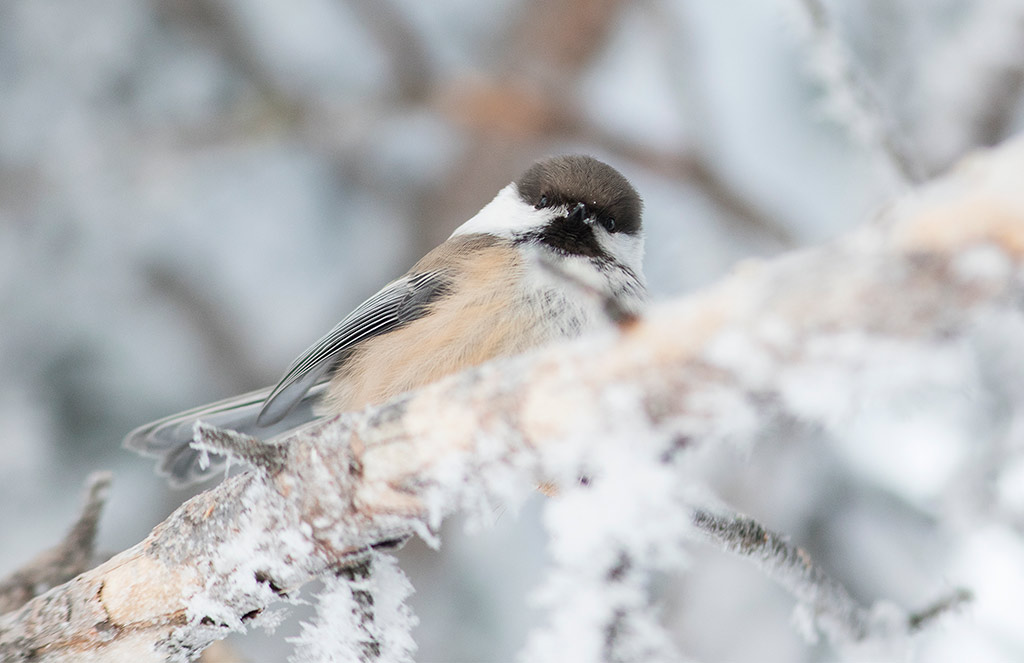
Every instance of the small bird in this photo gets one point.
(483, 293)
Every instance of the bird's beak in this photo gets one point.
(579, 213)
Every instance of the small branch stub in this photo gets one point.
(265, 457)
(67, 559)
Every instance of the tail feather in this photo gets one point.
(169, 439)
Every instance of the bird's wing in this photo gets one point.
(268, 412)
(396, 305)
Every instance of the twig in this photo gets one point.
(951, 603)
(837, 614)
(791, 567)
(409, 57)
(858, 105)
(70, 557)
(358, 577)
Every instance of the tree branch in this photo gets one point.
(829, 604)
(853, 99)
(409, 58)
(717, 366)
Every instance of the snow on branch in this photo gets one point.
(362, 616)
(917, 294)
(851, 98)
(825, 603)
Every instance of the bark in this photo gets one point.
(64, 561)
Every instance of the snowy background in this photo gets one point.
(191, 191)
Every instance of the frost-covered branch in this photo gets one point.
(977, 106)
(823, 601)
(915, 296)
(362, 616)
(67, 559)
(851, 98)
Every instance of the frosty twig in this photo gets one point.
(853, 100)
(835, 612)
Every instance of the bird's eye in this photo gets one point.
(609, 224)
(543, 202)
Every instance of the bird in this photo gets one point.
(520, 273)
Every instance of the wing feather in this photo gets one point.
(169, 439)
(396, 305)
(270, 412)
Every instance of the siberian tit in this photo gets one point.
(479, 295)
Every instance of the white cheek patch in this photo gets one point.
(547, 269)
(627, 249)
(505, 216)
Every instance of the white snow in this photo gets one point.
(610, 537)
(983, 264)
(345, 626)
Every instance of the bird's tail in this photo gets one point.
(169, 439)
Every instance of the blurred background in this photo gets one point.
(192, 191)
